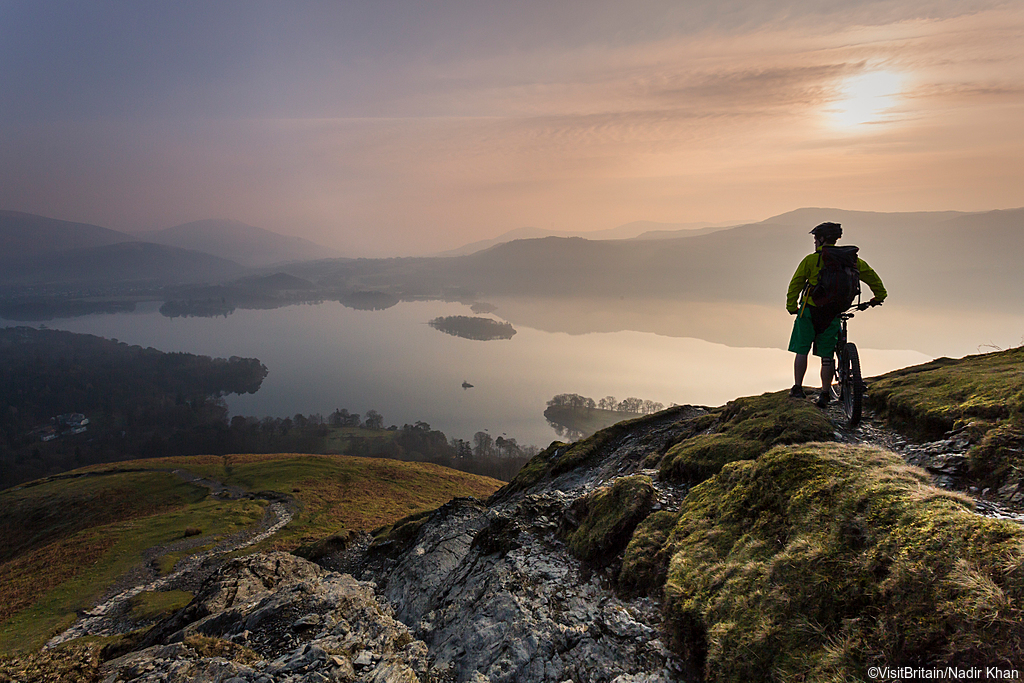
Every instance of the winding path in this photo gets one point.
(107, 618)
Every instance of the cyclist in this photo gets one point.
(810, 329)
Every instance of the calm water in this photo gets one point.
(323, 357)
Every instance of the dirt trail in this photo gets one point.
(110, 617)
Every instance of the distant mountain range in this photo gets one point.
(247, 245)
(125, 262)
(25, 234)
(924, 258)
(35, 249)
(634, 230)
(931, 258)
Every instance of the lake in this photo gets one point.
(325, 356)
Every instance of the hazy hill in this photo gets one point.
(635, 229)
(125, 262)
(938, 259)
(24, 234)
(245, 244)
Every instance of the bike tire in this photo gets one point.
(853, 387)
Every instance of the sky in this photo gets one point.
(401, 127)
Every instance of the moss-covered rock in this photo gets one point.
(559, 458)
(935, 397)
(534, 471)
(645, 562)
(983, 395)
(607, 518)
(326, 546)
(815, 562)
(997, 460)
(400, 535)
(746, 428)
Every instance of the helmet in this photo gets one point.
(829, 232)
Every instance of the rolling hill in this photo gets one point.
(120, 263)
(25, 235)
(236, 241)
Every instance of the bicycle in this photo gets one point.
(850, 391)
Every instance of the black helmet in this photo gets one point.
(829, 232)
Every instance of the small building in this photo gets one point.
(73, 420)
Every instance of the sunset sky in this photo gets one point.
(405, 127)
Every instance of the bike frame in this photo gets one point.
(850, 390)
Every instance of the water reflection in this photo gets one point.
(328, 356)
(931, 331)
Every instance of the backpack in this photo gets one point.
(838, 281)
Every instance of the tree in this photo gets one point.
(462, 448)
(507, 448)
(373, 420)
(651, 407)
(483, 445)
(631, 405)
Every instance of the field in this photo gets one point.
(64, 541)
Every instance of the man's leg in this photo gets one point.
(799, 369)
(800, 344)
(828, 371)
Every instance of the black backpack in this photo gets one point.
(838, 281)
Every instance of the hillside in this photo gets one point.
(124, 263)
(247, 245)
(24, 234)
(136, 520)
(757, 541)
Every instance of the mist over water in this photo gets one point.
(326, 356)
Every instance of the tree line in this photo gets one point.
(144, 403)
(632, 404)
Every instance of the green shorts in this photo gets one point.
(803, 337)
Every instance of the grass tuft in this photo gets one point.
(155, 605)
(746, 428)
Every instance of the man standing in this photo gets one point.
(817, 324)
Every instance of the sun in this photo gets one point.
(867, 98)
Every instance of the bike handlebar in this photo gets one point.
(846, 315)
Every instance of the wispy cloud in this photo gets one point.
(381, 130)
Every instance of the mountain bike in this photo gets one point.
(848, 387)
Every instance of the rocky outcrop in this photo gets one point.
(498, 594)
(271, 618)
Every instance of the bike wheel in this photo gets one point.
(853, 386)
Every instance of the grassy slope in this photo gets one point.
(56, 563)
(337, 492)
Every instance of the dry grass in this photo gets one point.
(28, 577)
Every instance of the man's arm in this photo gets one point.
(796, 285)
(869, 276)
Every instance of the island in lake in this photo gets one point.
(467, 327)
